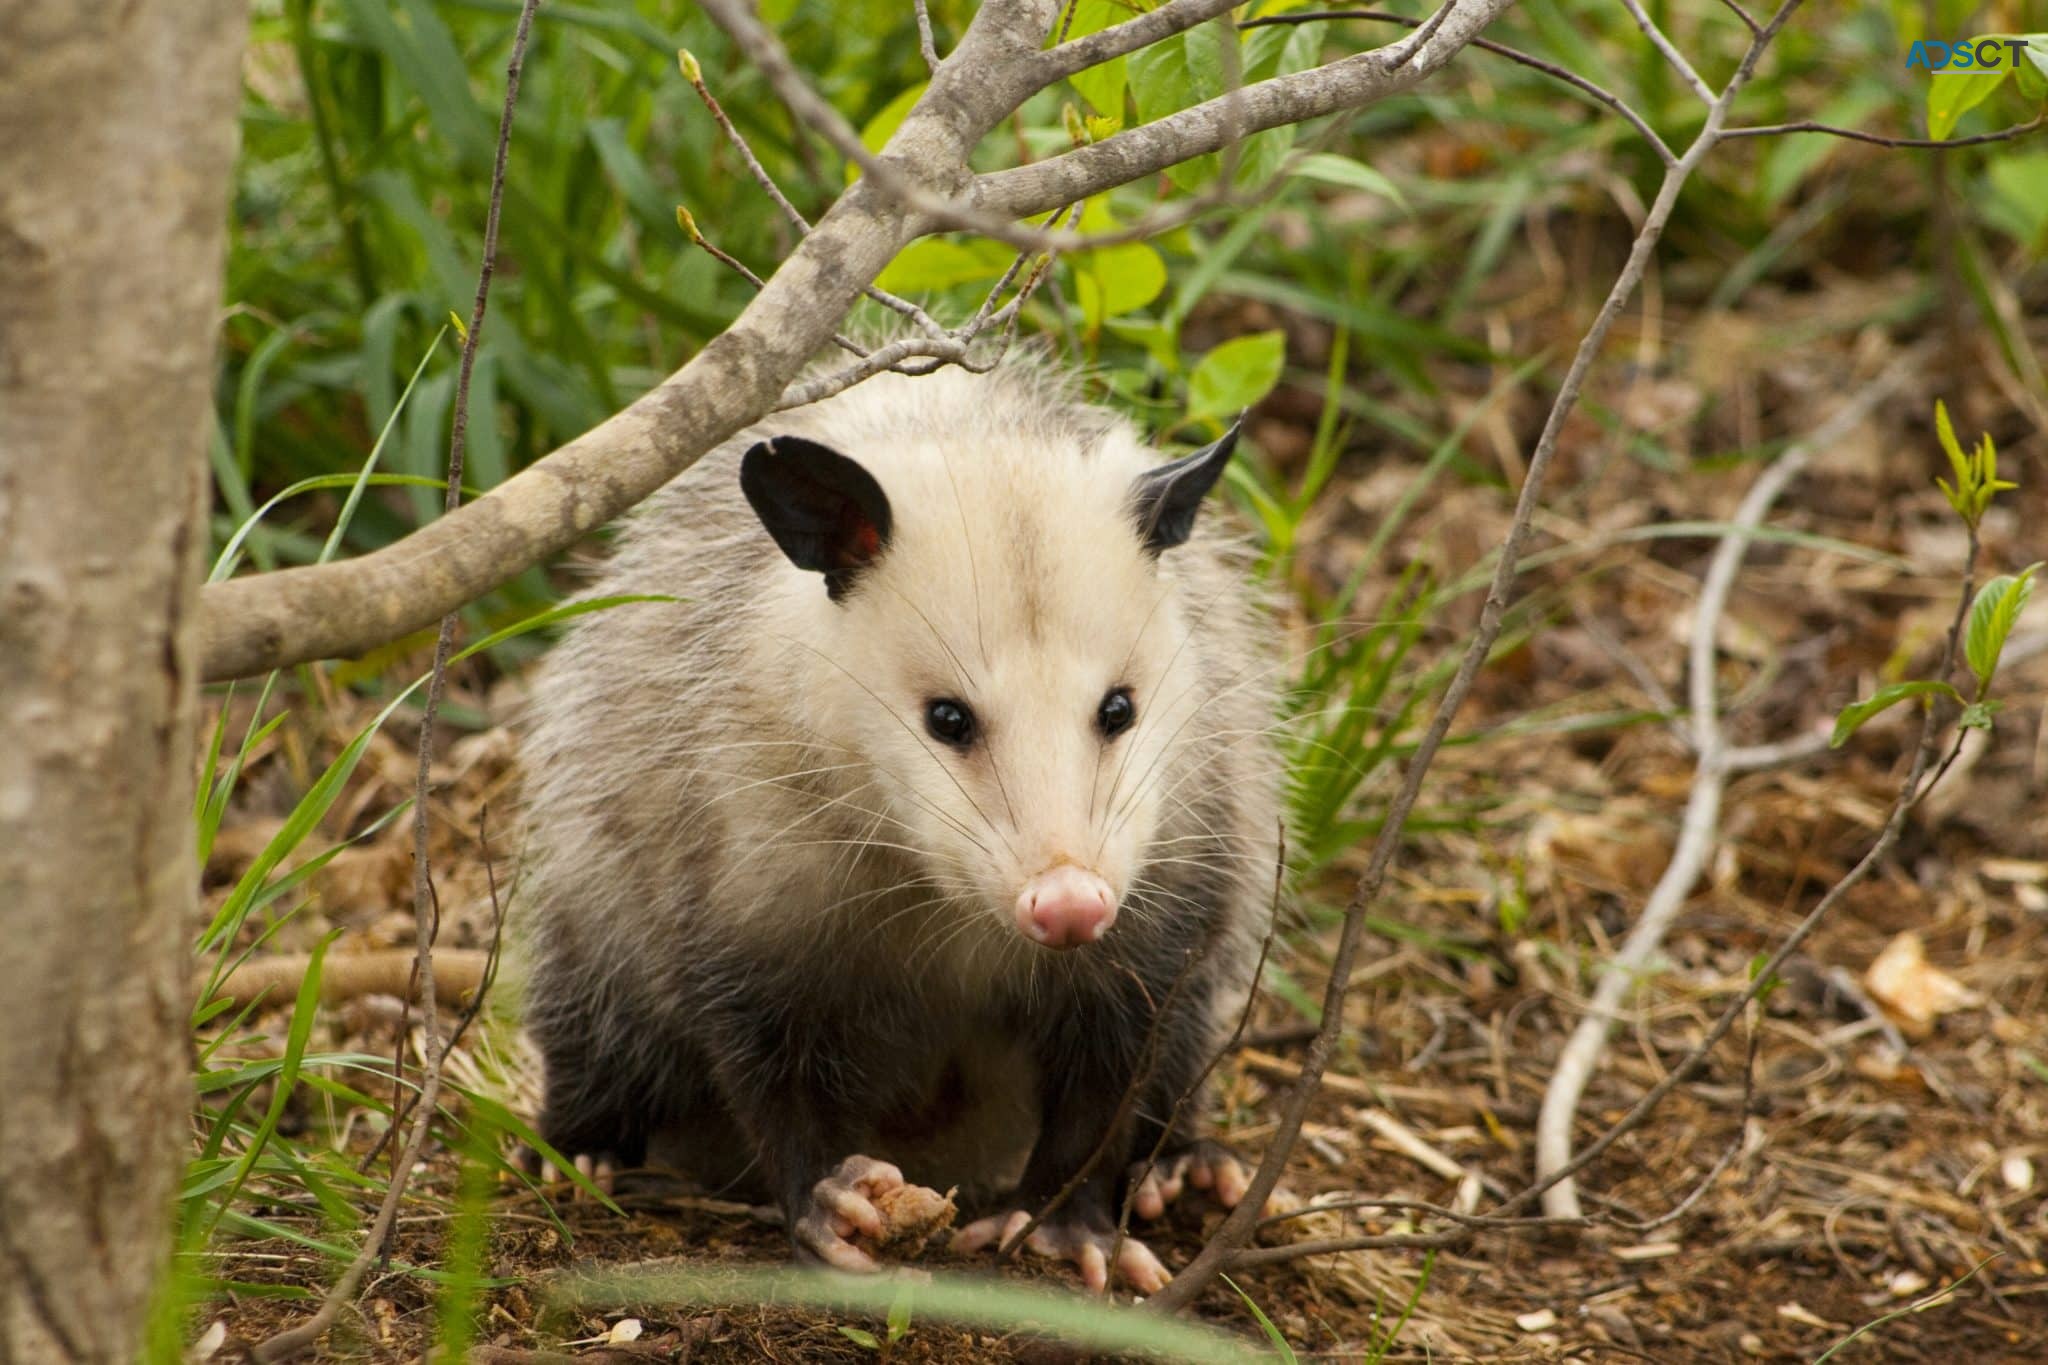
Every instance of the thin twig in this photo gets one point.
(1237, 1228)
(926, 43)
(1471, 1220)
(1599, 95)
(426, 917)
(1721, 1164)
(687, 221)
(943, 210)
(881, 358)
(493, 955)
(1670, 50)
(693, 72)
(1748, 20)
(1880, 140)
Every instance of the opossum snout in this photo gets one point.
(1065, 906)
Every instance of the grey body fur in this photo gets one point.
(744, 967)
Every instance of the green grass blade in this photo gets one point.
(1085, 1322)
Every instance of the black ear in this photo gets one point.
(1164, 500)
(825, 511)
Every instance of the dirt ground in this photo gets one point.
(1876, 1160)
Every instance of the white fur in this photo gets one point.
(758, 753)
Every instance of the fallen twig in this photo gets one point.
(1700, 828)
(347, 976)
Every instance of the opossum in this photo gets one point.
(938, 811)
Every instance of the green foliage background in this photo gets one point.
(369, 126)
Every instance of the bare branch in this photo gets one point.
(1753, 757)
(1175, 16)
(882, 358)
(253, 624)
(1670, 49)
(926, 43)
(694, 74)
(1748, 20)
(1607, 99)
(1237, 1228)
(1348, 83)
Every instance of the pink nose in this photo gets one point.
(1065, 906)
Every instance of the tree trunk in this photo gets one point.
(117, 138)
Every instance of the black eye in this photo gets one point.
(1116, 713)
(950, 721)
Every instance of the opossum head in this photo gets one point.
(1001, 657)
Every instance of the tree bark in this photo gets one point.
(117, 138)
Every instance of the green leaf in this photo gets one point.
(2032, 71)
(1115, 280)
(2019, 194)
(1167, 76)
(1102, 86)
(1951, 94)
(630, 175)
(1173, 74)
(1998, 605)
(1770, 987)
(1789, 162)
(230, 554)
(860, 1338)
(1236, 375)
(426, 58)
(899, 1315)
(1854, 717)
(934, 263)
(1331, 169)
(1945, 431)
(2029, 77)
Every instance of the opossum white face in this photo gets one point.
(1000, 655)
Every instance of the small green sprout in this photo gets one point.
(1993, 611)
(1977, 480)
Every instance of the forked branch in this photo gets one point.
(919, 182)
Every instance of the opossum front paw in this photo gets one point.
(1086, 1242)
(844, 1206)
(1206, 1165)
